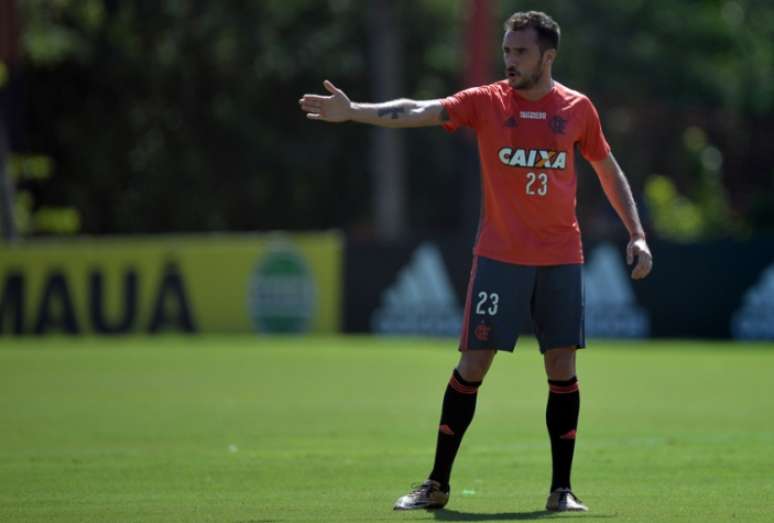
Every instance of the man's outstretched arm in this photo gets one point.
(619, 194)
(337, 107)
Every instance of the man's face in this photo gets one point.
(524, 64)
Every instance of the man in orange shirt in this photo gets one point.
(528, 253)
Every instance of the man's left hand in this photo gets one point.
(638, 248)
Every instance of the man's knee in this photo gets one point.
(560, 363)
(474, 364)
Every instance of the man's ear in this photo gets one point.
(549, 56)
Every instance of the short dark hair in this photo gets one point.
(548, 31)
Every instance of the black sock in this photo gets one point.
(459, 403)
(562, 422)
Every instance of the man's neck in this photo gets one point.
(538, 91)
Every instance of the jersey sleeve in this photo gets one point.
(593, 145)
(461, 108)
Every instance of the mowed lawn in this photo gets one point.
(247, 429)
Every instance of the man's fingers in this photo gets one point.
(318, 116)
(330, 87)
(313, 98)
(310, 107)
(643, 267)
(640, 272)
(629, 254)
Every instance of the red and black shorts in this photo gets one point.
(503, 297)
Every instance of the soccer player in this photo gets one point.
(528, 254)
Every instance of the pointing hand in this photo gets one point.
(333, 108)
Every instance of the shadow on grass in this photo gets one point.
(453, 515)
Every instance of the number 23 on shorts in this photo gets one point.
(486, 303)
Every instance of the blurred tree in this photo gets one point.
(9, 56)
(656, 68)
(181, 115)
(387, 159)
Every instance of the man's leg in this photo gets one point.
(559, 326)
(562, 412)
(562, 422)
(459, 404)
(496, 306)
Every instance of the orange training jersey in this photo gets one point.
(528, 169)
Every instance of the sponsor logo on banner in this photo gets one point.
(186, 283)
(611, 309)
(56, 307)
(421, 301)
(755, 318)
(282, 293)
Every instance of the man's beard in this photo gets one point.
(530, 80)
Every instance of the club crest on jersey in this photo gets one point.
(557, 124)
(537, 158)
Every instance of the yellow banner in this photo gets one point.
(219, 283)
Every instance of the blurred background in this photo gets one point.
(126, 120)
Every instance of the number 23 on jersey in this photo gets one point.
(537, 184)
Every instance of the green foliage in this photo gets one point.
(705, 213)
(182, 115)
(57, 31)
(57, 220)
(24, 167)
(672, 215)
(30, 171)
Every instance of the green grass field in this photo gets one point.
(245, 429)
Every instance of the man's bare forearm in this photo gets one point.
(399, 113)
(619, 194)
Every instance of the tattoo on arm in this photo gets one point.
(393, 111)
(444, 115)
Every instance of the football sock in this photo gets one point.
(562, 422)
(459, 403)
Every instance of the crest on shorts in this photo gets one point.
(557, 124)
(482, 332)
